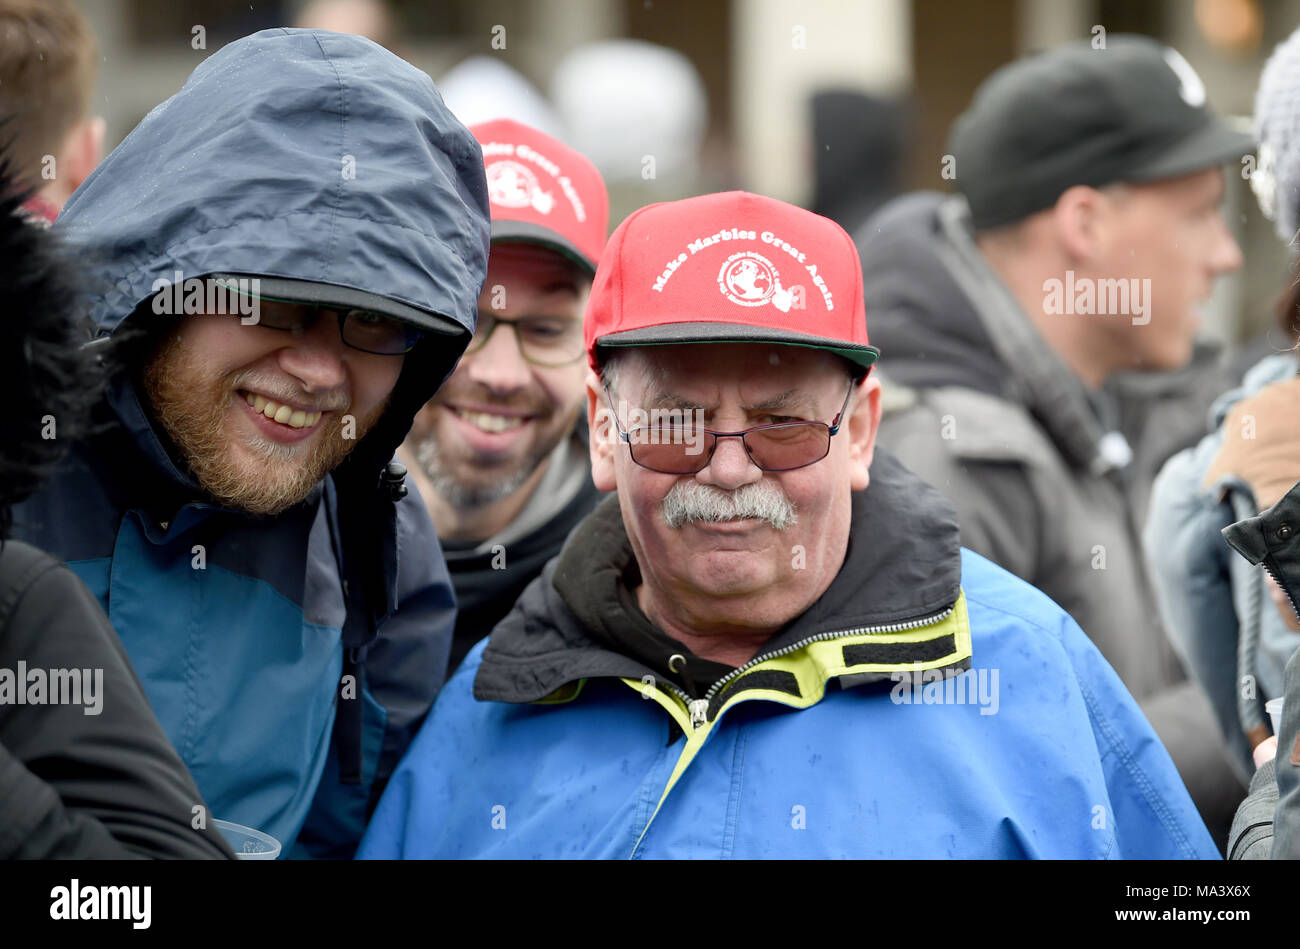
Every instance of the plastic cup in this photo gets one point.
(247, 843)
(1274, 709)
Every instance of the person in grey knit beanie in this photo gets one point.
(1276, 180)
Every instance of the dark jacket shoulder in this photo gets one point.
(94, 777)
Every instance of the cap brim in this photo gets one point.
(1214, 144)
(670, 334)
(310, 291)
(523, 232)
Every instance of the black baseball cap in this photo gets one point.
(1132, 110)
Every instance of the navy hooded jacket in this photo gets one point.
(318, 157)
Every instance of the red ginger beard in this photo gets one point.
(193, 409)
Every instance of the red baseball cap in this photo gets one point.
(730, 267)
(543, 192)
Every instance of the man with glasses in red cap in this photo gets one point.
(770, 643)
(500, 452)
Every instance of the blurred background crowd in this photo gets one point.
(832, 104)
(839, 106)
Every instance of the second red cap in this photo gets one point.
(542, 191)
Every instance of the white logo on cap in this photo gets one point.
(1190, 86)
(513, 185)
(749, 279)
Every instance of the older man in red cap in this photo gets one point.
(770, 643)
(500, 453)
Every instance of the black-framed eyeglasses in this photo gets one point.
(543, 340)
(365, 330)
(673, 447)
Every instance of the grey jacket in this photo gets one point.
(978, 403)
(1268, 821)
(1049, 480)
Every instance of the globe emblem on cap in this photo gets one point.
(749, 279)
(512, 185)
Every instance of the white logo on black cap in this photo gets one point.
(1190, 86)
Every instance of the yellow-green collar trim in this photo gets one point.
(798, 678)
(804, 673)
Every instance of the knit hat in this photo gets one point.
(1276, 180)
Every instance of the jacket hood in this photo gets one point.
(304, 155)
(926, 326)
(903, 564)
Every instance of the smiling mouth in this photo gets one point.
(490, 421)
(278, 412)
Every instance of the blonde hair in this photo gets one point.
(47, 75)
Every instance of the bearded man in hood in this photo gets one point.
(285, 257)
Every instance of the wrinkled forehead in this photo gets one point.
(707, 375)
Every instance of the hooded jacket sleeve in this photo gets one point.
(97, 779)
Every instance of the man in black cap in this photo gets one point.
(1039, 331)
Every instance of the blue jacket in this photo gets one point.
(842, 739)
(1214, 603)
(311, 156)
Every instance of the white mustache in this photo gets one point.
(689, 501)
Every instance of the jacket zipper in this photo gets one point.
(1285, 589)
(699, 708)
